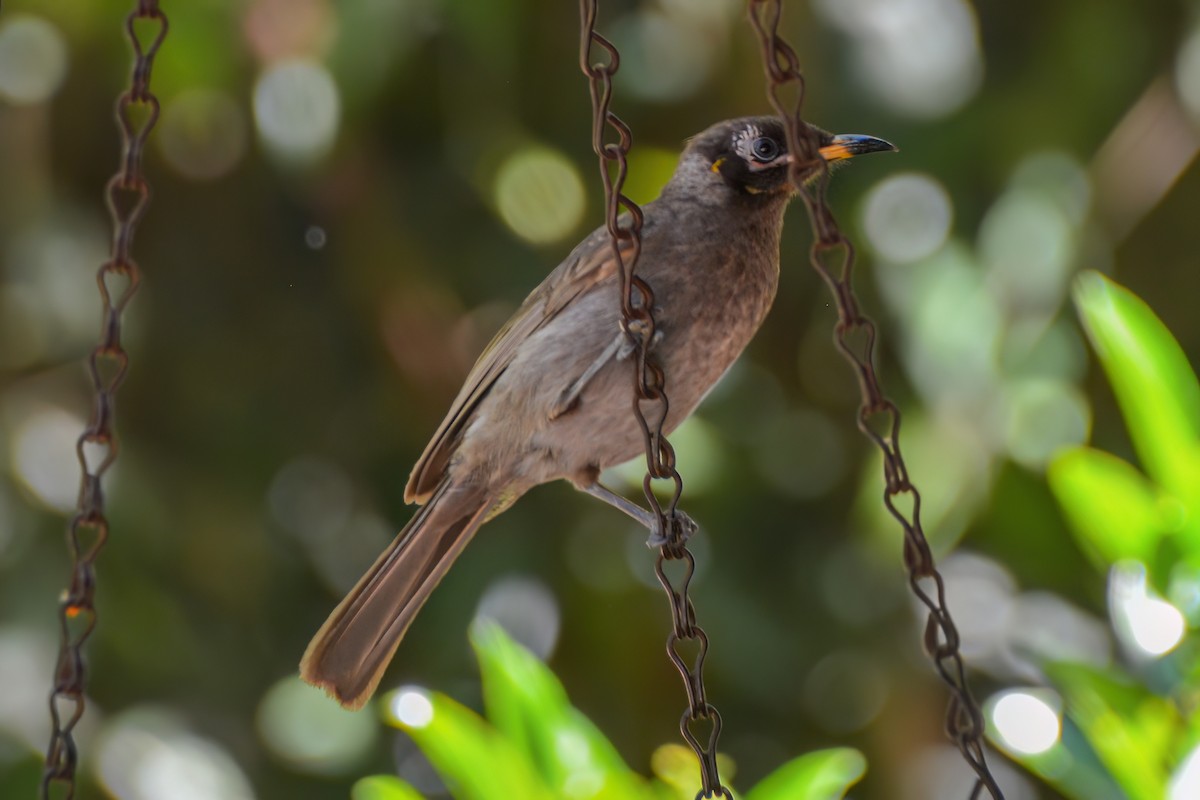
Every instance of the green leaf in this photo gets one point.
(1157, 389)
(476, 762)
(820, 775)
(1070, 766)
(1127, 727)
(383, 787)
(1113, 509)
(678, 768)
(526, 702)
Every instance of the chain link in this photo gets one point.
(127, 194)
(649, 398)
(832, 256)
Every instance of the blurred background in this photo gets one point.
(349, 198)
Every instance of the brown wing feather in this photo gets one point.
(589, 264)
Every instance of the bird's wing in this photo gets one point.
(591, 263)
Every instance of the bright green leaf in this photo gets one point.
(384, 787)
(475, 761)
(526, 702)
(1113, 508)
(820, 775)
(1157, 389)
(679, 770)
(1122, 721)
(1070, 766)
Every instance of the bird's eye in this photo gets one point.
(764, 149)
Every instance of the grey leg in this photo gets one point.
(570, 395)
(621, 348)
(645, 517)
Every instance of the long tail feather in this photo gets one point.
(352, 649)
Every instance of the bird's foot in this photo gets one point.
(679, 528)
(634, 334)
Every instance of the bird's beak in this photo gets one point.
(849, 145)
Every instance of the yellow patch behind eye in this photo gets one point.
(716, 167)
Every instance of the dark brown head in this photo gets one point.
(749, 156)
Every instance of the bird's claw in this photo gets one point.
(679, 528)
(635, 333)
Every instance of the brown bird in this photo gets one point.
(550, 396)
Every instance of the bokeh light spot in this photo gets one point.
(662, 57)
(920, 57)
(697, 444)
(26, 658)
(202, 134)
(649, 170)
(1185, 783)
(297, 108)
(1044, 415)
(1027, 720)
(526, 609)
(539, 194)
(311, 498)
(312, 732)
(845, 691)
(33, 59)
(1060, 178)
(1031, 349)
(1187, 74)
(146, 754)
(907, 217)
(1027, 243)
(51, 265)
(1157, 625)
(315, 237)
(43, 456)
(1044, 628)
(1148, 624)
(411, 707)
(583, 776)
(801, 454)
(982, 593)
(956, 329)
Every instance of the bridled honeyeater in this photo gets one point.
(550, 396)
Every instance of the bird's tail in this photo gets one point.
(352, 649)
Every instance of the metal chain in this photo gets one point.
(832, 255)
(127, 195)
(637, 304)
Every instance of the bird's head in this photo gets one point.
(750, 155)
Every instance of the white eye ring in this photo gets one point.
(764, 149)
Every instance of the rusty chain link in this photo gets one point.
(127, 195)
(832, 255)
(637, 304)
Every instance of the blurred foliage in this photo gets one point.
(541, 746)
(1138, 733)
(1117, 512)
(349, 198)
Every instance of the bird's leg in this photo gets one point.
(632, 334)
(570, 396)
(622, 346)
(681, 525)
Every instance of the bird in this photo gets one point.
(550, 397)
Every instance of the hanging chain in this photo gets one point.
(832, 256)
(127, 195)
(637, 304)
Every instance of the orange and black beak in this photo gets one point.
(849, 145)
